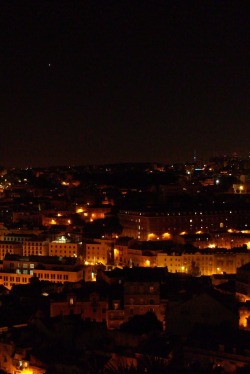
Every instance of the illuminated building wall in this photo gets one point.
(244, 317)
(59, 276)
(90, 272)
(14, 360)
(146, 225)
(58, 219)
(60, 248)
(20, 270)
(9, 279)
(136, 257)
(97, 252)
(36, 247)
(120, 255)
(173, 262)
(206, 263)
(230, 239)
(90, 213)
(242, 188)
(8, 247)
(121, 251)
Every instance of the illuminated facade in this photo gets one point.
(98, 251)
(60, 276)
(91, 212)
(9, 279)
(9, 247)
(19, 270)
(204, 262)
(56, 219)
(244, 316)
(137, 257)
(242, 188)
(221, 239)
(121, 251)
(151, 225)
(65, 249)
(36, 247)
(15, 360)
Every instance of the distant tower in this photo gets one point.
(194, 157)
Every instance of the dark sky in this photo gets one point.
(93, 82)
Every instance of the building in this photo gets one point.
(92, 306)
(65, 249)
(154, 224)
(142, 293)
(203, 262)
(37, 247)
(17, 237)
(243, 283)
(91, 213)
(244, 316)
(19, 270)
(121, 247)
(99, 251)
(56, 219)
(10, 247)
(15, 359)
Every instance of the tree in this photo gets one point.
(141, 324)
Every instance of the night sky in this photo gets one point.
(94, 82)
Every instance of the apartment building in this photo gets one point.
(36, 247)
(142, 293)
(65, 249)
(91, 308)
(99, 251)
(17, 237)
(10, 247)
(19, 270)
(16, 359)
(153, 224)
(207, 262)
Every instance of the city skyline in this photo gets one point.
(132, 81)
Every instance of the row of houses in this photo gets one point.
(71, 262)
